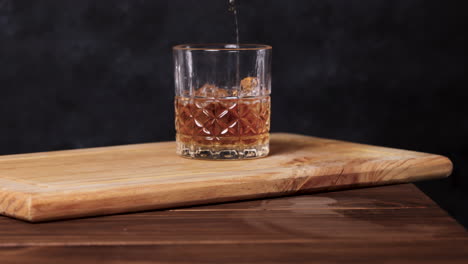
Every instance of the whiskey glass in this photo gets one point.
(222, 100)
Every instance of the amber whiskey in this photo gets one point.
(222, 125)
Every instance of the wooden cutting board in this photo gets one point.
(108, 180)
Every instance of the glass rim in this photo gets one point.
(221, 47)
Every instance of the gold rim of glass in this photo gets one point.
(221, 47)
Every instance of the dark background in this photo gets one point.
(89, 73)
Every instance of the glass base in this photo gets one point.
(222, 152)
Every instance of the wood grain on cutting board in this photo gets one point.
(97, 181)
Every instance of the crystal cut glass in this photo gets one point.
(222, 103)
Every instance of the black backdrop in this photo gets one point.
(91, 73)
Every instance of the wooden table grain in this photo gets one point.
(390, 224)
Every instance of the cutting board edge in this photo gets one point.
(441, 167)
(19, 207)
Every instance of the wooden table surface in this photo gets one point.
(390, 224)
